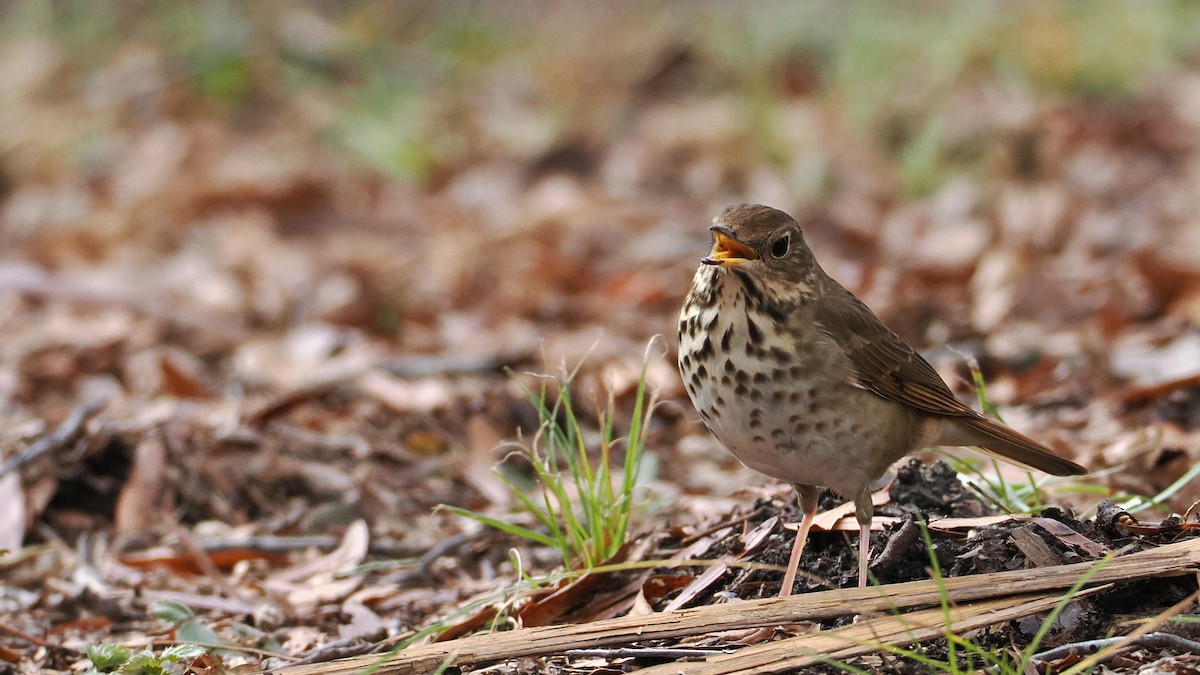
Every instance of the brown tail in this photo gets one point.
(995, 438)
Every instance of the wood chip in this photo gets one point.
(1036, 550)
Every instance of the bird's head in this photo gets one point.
(760, 241)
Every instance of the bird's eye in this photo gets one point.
(780, 247)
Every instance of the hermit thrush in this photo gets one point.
(802, 382)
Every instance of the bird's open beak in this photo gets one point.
(727, 250)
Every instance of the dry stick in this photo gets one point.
(988, 497)
(18, 633)
(645, 653)
(171, 642)
(412, 367)
(67, 433)
(1148, 641)
(423, 564)
(1146, 628)
(717, 527)
(352, 645)
(1171, 560)
(1142, 395)
(269, 543)
(867, 636)
(455, 364)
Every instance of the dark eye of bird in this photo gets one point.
(780, 247)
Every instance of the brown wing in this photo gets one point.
(886, 365)
(883, 362)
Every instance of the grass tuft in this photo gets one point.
(583, 507)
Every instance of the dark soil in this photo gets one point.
(926, 492)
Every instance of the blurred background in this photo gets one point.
(290, 246)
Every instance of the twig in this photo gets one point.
(429, 366)
(411, 367)
(1147, 628)
(225, 647)
(20, 634)
(1142, 395)
(1149, 641)
(717, 527)
(645, 653)
(67, 433)
(356, 445)
(266, 543)
(983, 494)
(354, 645)
(421, 567)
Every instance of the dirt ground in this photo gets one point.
(272, 277)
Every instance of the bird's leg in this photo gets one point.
(806, 497)
(864, 510)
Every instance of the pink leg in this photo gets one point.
(864, 548)
(864, 510)
(806, 496)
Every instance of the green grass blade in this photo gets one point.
(588, 517)
(1143, 503)
(510, 528)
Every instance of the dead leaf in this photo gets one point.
(751, 541)
(12, 512)
(138, 504)
(831, 520)
(1070, 537)
(348, 554)
(479, 466)
(405, 396)
(1036, 550)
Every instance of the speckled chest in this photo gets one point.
(770, 383)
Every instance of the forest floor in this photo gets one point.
(273, 285)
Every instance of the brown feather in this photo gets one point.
(888, 366)
(883, 362)
(995, 438)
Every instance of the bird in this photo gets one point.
(800, 380)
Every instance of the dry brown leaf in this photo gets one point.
(348, 554)
(183, 564)
(1072, 538)
(362, 619)
(751, 541)
(181, 376)
(310, 584)
(642, 606)
(832, 519)
(138, 504)
(479, 465)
